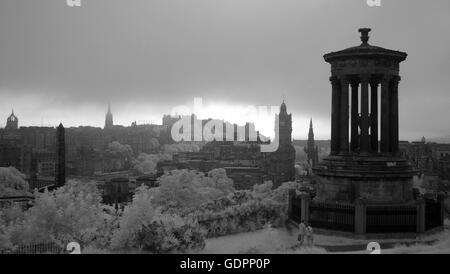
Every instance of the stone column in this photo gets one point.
(335, 114)
(365, 141)
(374, 116)
(385, 146)
(344, 116)
(394, 114)
(291, 196)
(360, 216)
(441, 201)
(305, 200)
(420, 215)
(354, 143)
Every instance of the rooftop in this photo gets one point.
(365, 50)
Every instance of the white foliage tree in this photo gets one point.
(70, 213)
(139, 213)
(147, 163)
(146, 228)
(185, 190)
(12, 182)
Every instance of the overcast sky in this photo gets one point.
(62, 64)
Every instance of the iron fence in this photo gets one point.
(296, 209)
(332, 216)
(41, 248)
(391, 219)
(433, 216)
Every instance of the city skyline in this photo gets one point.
(242, 122)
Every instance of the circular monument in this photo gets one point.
(365, 186)
(364, 162)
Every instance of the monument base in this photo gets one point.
(376, 179)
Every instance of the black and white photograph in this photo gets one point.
(201, 128)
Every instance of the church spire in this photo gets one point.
(311, 150)
(109, 118)
(283, 108)
(12, 122)
(311, 131)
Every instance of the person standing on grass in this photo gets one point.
(309, 235)
(301, 232)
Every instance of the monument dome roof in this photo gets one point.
(365, 50)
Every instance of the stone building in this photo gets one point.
(280, 165)
(10, 154)
(444, 168)
(426, 157)
(27, 146)
(116, 191)
(45, 163)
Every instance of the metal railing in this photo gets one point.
(41, 248)
(433, 216)
(296, 213)
(391, 219)
(332, 216)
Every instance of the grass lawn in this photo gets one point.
(284, 240)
